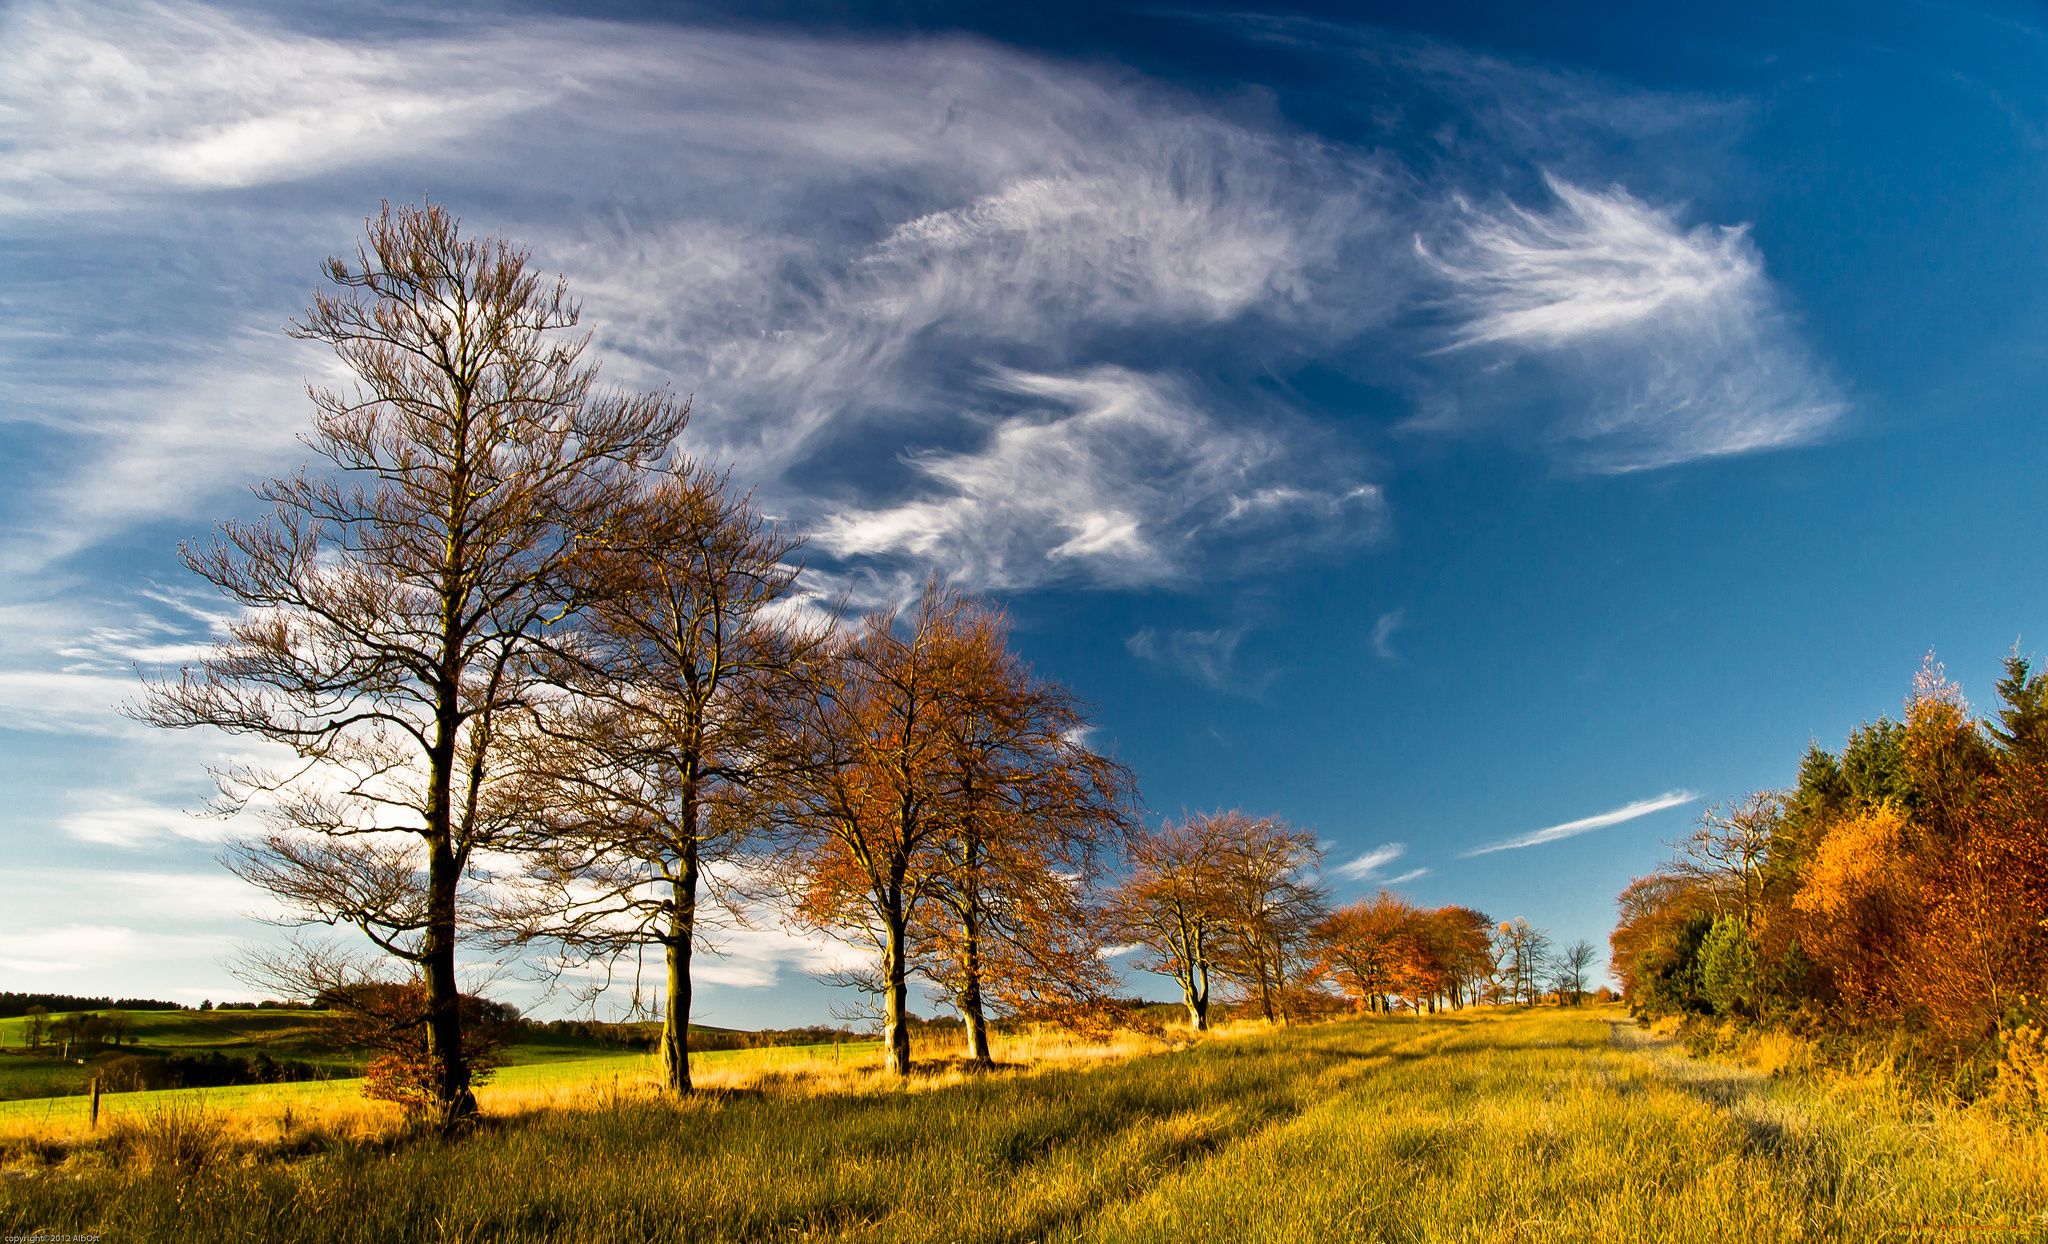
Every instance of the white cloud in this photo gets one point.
(213, 896)
(118, 820)
(1114, 491)
(1367, 866)
(1383, 632)
(102, 101)
(1659, 344)
(1411, 875)
(1208, 657)
(1627, 812)
(60, 703)
(992, 214)
(72, 949)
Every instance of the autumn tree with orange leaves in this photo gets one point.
(1271, 898)
(938, 809)
(672, 709)
(1170, 904)
(1383, 948)
(1012, 926)
(1900, 888)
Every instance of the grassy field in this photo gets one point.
(1483, 1125)
(569, 1069)
(28, 1077)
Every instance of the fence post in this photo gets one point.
(95, 1101)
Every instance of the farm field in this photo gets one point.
(38, 1083)
(1483, 1124)
(569, 1069)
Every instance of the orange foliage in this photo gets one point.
(1906, 885)
(1384, 947)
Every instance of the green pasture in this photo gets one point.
(284, 1035)
(538, 1072)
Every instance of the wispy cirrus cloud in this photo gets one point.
(1368, 866)
(1655, 344)
(1116, 486)
(1024, 263)
(1208, 657)
(1383, 632)
(124, 101)
(1571, 829)
(992, 214)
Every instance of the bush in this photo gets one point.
(390, 1019)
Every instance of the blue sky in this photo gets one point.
(1434, 431)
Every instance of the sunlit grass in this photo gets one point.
(1483, 1125)
(516, 1087)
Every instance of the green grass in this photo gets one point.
(1476, 1126)
(590, 1068)
(284, 1035)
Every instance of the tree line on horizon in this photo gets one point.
(1899, 890)
(539, 682)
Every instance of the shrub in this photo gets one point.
(390, 1019)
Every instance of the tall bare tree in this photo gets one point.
(675, 681)
(392, 611)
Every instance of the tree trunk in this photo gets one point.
(970, 987)
(1197, 1000)
(1265, 985)
(445, 1059)
(444, 998)
(675, 1024)
(895, 994)
(1194, 978)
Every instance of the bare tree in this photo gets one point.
(1728, 851)
(1523, 952)
(1571, 971)
(392, 612)
(676, 679)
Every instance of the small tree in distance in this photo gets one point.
(1523, 953)
(1571, 971)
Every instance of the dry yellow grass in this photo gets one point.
(1482, 1125)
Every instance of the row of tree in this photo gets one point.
(543, 681)
(1900, 886)
(84, 1028)
(1237, 900)
(543, 684)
